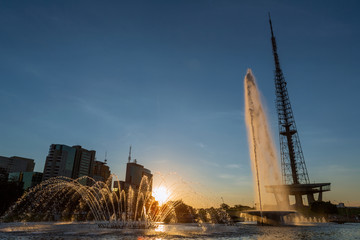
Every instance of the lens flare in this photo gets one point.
(161, 194)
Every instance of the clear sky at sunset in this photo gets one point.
(167, 78)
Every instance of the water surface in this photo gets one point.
(89, 230)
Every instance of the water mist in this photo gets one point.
(263, 155)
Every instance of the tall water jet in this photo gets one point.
(263, 155)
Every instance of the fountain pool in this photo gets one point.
(245, 231)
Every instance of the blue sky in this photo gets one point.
(167, 77)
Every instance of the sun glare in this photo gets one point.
(161, 194)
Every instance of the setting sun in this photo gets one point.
(161, 194)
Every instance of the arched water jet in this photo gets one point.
(65, 199)
(109, 208)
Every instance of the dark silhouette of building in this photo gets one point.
(16, 164)
(294, 172)
(26, 179)
(72, 162)
(101, 171)
(84, 163)
(134, 174)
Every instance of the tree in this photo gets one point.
(225, 206)
(9, 192)
(323, 208)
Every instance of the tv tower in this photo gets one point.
(294, 172)
(292, 158)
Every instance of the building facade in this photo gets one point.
(84, 162)
(26, 179)
(101, 171)
(59, 161)
(15, 164)
(72, 162)
(134, 174)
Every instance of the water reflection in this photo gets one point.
(160, 228)
(90, 230)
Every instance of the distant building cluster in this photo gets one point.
(19, 169)
(62, 160)
(72, 162)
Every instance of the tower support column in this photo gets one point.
(299, 200)
(310, 197)
(320, 196)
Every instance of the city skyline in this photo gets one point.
(167, 78)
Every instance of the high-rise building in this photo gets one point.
(15, 164)
(26, 179)
(59, 162)
(72, 162)
(84, 162)
(101, 171)
(134, 174)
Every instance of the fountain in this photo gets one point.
(135, 213)
(263, 156)
(66, 199)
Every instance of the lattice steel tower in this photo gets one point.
(292, 158)
(294, 172)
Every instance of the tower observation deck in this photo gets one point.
(295, 177)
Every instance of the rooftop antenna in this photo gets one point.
(129, 158)
(105, 160)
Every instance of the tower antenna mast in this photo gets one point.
(292, 159)
(294, 172)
